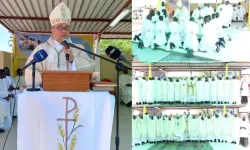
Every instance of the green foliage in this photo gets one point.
(125, 46)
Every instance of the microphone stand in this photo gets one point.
(33, 89)
(119, 67)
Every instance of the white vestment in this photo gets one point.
(193, 127)
(177, 91)
(161, 30)
(225, 129)
(183, 16)
(179, 128)
(155, 18)
(5, 106)
(244, 132)
(152, 129)
(213, 85)
(217, 25)
(224, 14)
(241, 13)
(207, 91)
(164, 128)
(217, 128)
(155, 85)
(150, 91)
(235, 129)
(196, 15)
(191, 91)
(14, 101)
(235, 91)
(11, 81)
(144, 128)
(170, 91)
(220, 90)
(229, 11)
(191, 32)
(244, 91)
(184, 88)
(136, 91)
(210, 129)
(209, 11)
(200, 91)
(159, 90)
(235, 13)
(56, 61)
(175, 35)
(170, 127)
(159, 129)
(226, 90)
(209, 38)
(21, 81)
(164, 90)
(125, 91)
(136, 127)
(149, 33)
(143, 90)
(202, 128)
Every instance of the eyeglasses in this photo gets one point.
(60, 28)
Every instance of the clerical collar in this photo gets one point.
(58, 46)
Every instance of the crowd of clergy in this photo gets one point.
(212, 90)
(228, 128)
(9, 90)
(203, 31)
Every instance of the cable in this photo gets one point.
(12, 114)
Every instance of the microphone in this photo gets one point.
(115, 53)
(66, 46)
(39, 56)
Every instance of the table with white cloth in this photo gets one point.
(41, 124)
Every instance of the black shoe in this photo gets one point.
(2, 130)
(172, 46)
(218, 49)
(215, 140)
(129, 104)
(139, 103)
(211, 140)
(222, 44)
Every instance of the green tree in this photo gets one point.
(125, 46)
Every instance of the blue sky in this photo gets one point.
(4, 39)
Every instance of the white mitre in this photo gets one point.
(179, 3)
(60, 14)
(200, 5)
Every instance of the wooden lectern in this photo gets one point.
(74, 81)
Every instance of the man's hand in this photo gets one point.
(69, 51)
(22, 88)
(11, 88)
(7, 98)
(129, 85)
(10, 95)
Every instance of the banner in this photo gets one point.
(27, 42)
(65, 120)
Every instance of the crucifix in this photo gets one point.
(66, 119)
